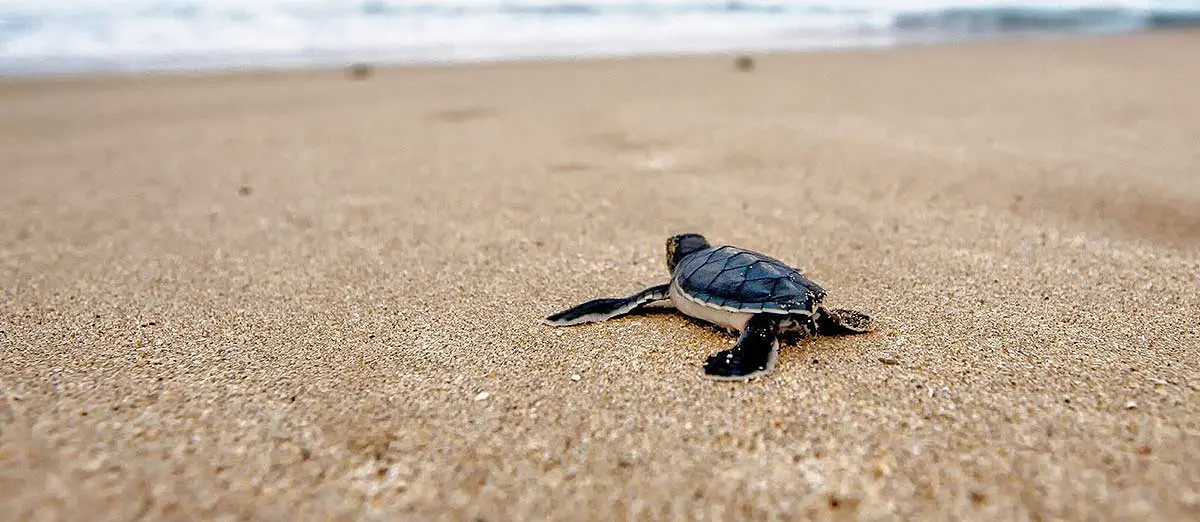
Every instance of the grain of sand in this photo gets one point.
(292, 296)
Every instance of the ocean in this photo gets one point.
(82, 36)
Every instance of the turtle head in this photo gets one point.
(681, 245)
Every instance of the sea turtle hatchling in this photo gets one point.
(757, 296)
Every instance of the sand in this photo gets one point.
(298, 296)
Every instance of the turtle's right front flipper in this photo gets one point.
(753, 356)
(604, 309)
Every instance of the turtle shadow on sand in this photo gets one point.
(760, 299)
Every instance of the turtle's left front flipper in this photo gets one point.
(754, 355)
(604, 309)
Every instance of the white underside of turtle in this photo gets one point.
(751, 294)
(727, 317)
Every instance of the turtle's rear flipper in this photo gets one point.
(842, 322)
(604, 309)
(754, 355)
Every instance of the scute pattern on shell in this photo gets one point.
(736, 278)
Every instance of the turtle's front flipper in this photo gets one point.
(605, 309)
(753, 356)
(842, 322)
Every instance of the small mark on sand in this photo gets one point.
(359, 71)
(621, 142)
(744, 63)
(570, 167)
(978, 497)
(462, 114)
(660, 162)
(837, 503)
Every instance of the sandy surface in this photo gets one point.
(297, 296)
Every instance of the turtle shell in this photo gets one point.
(740, 280)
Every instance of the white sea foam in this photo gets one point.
(71, 35)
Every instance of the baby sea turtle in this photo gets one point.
(747, 292)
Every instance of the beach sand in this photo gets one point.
(297, 296)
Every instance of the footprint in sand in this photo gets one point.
(660, 162)
(645, 154)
